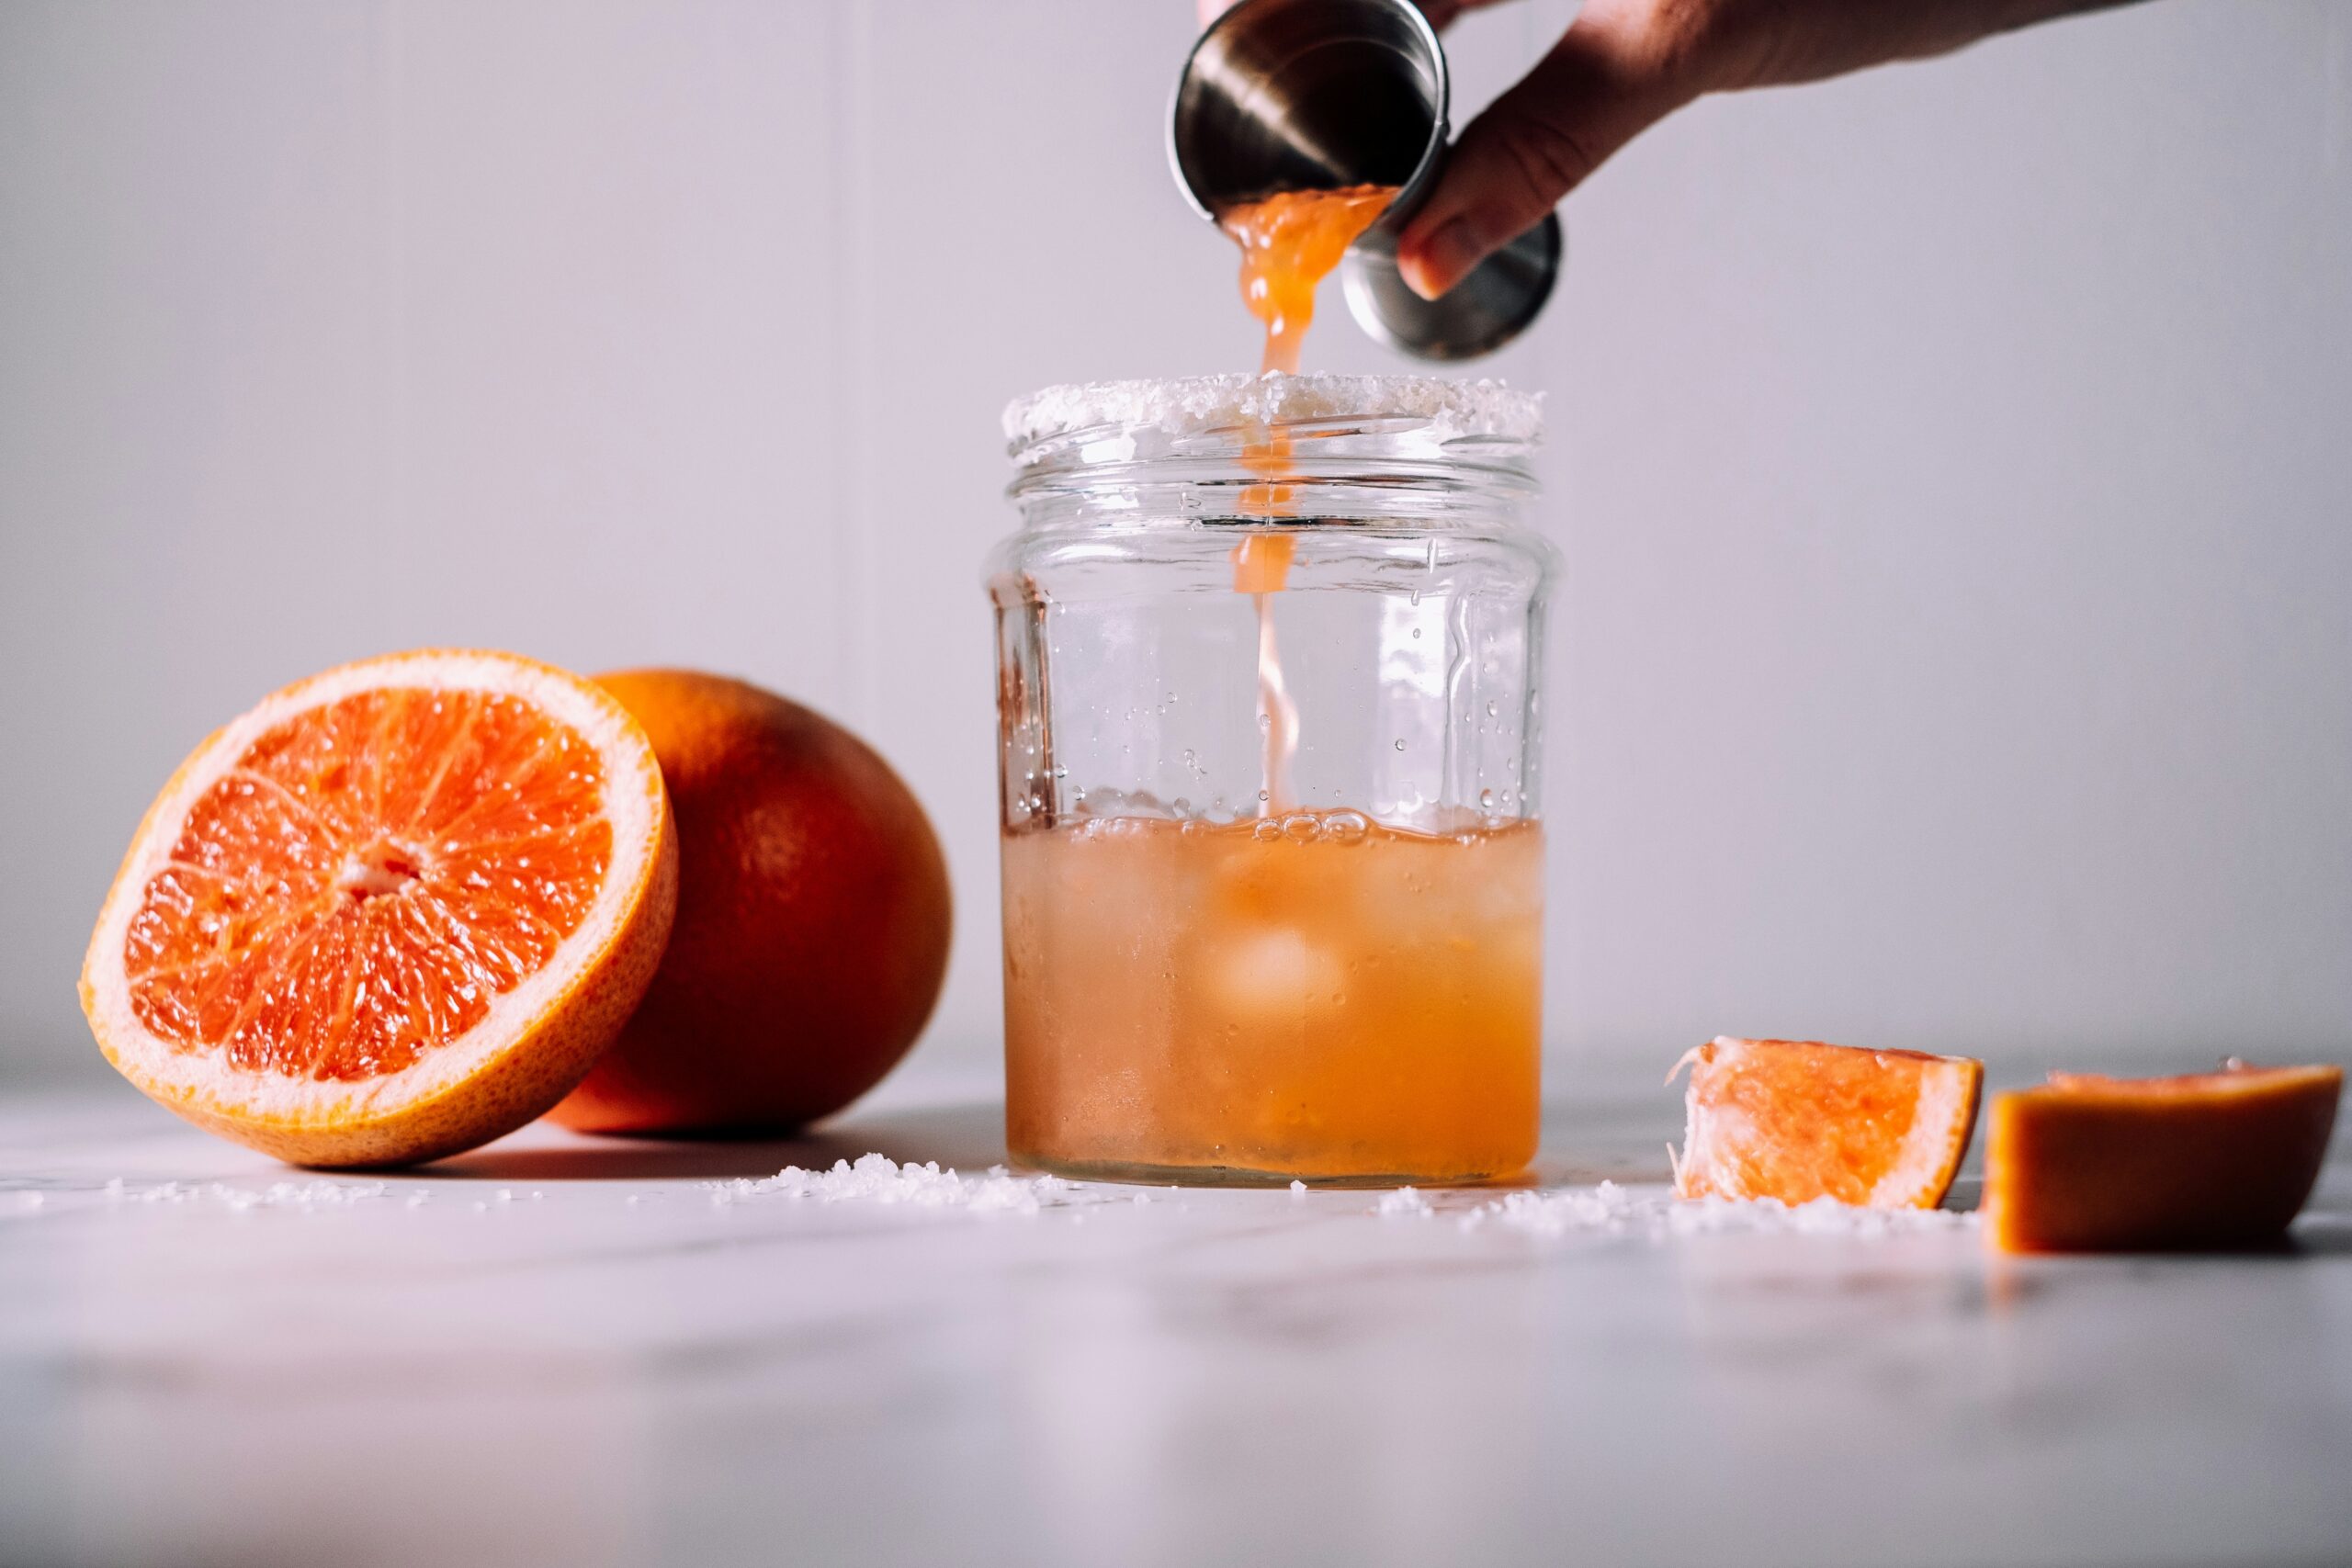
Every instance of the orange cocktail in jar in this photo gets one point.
(1318, 997)
(1273, 905)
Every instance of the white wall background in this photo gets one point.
(1953, 461)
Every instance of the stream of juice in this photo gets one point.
(1290, 241)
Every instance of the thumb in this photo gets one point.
(1596, 91)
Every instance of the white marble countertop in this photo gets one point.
(562, 1350)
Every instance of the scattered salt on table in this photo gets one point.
(1612, 1209)
(879, 1179)
(276, 1195)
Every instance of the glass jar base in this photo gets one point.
(1133, 1175)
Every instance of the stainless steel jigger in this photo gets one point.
(1318, 94)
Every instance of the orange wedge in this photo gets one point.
(1797, 1120)
(394, 911)
(2210, 1161)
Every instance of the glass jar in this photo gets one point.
(1267, 653)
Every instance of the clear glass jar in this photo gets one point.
(1268, 658)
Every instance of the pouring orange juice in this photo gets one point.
(1334, 976)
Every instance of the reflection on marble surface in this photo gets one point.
(562, 1350)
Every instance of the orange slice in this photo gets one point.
(394, 911)
(2209, 1161)
(1797, 1120)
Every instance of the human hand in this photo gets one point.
(1625, 64)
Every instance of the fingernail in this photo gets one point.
(1439, 262)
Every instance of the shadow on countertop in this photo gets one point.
(968, 1138)
(1580, 1148)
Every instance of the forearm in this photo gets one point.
(1733, 44)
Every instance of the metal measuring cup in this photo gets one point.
(1318, 94)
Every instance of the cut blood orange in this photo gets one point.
(2211, 1160)
(394, 911)
(1797, 1120)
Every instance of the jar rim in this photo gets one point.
(1051, 425)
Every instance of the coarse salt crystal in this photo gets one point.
(1405, 1201)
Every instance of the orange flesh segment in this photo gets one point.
(1290, 241)
(366, 879)
(1798, 1120)
(2209, 1161)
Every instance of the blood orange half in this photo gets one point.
(1797, 1120)
(394, 911)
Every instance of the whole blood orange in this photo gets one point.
(1797, 1120)
(812, 920)
(2211, 1160)
(394, 911)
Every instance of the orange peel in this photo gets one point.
(2208, 1161)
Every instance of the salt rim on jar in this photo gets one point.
(1443, 411)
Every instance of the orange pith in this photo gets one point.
(1798, 1120)
(391, 912)
(2213, 1160)
(366, 878)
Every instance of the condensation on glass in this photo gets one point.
(1268, 655)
